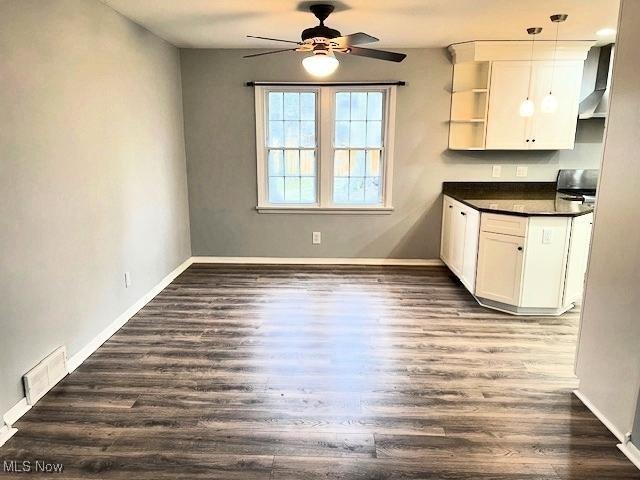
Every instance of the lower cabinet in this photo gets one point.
(578, 257)
(459, 242)
(500, 260)
(524, 265)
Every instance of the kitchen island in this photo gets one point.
(518, 247)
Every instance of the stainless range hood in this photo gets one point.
(597, 79)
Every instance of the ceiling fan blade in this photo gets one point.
(377, 54)
(269, 53)
(359, 38)
(274, 39)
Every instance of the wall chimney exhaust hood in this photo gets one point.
(596, 83)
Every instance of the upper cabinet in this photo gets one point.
(491, 79)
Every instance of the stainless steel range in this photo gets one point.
(578, 185)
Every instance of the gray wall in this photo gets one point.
(608, 362)
(92, 175)
(221, 160)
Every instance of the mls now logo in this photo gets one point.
(27, 466)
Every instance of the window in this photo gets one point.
(325, 148)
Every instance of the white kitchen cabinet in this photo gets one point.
(557, 130)
(458, 232)
(509, 84)
(545, 260)
(492, 78)
(500, 260)
(522, 263)
(578, 257)
(459, 240)
(446, 233)
(470, 250)
(507, 130)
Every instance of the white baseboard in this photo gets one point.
(15, 412)
(321, 261)
(77, 359)
(631, 452)
(6, 432)
(607, 423)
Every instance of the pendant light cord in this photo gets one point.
(553, 65)
(533, 42)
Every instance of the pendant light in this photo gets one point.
(527, 108)
(550, 102)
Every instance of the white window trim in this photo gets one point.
(324, 161)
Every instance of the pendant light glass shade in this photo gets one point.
(527, 108)
(549, 103)
(320, 63)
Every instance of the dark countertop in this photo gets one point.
(516, 198)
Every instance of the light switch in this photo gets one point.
(547, 235)
(497, 171)
(522, 171)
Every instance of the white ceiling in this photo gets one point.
(398, 23)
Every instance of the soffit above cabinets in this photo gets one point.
(490, 50)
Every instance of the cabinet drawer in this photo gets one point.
(505, 224)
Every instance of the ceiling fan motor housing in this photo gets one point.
(321, 11)
(320, 31)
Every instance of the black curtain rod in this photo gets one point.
(323, 84)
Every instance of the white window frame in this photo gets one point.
(325, 122)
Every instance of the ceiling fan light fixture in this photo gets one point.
(321, 63)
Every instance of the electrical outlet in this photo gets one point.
(316, 238)
(522, 171)
(127, 279)
(497, 171)
(547, 234)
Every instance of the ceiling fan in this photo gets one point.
(322, 41)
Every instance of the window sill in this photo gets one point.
(327, 210)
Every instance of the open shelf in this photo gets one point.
(472, 90)
(471, 76)
(466, 135)
(469, 105)
(467, 120)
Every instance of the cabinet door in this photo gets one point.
(445, 238)
(500, 267)
(470, 253)
(578, 258)
(459, 226)
(506, 129)
(557, 130)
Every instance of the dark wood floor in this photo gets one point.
(270, 372)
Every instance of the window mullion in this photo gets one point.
(326, 147)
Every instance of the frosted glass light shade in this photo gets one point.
(527, 108)
(320, 64)
(549, 104)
